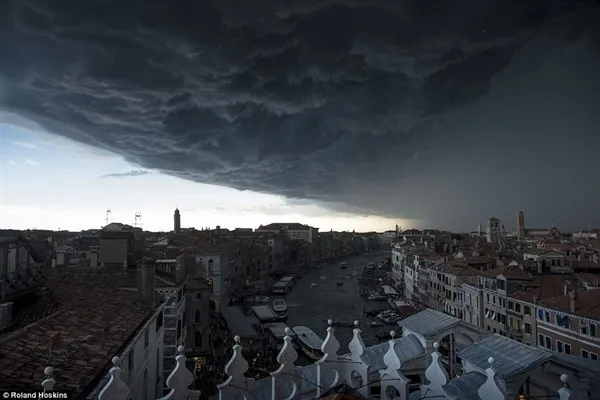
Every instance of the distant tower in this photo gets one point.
(397, 230)
(107, 219)
(493, 230)
(520, 225)
(479, 229)
(177, 221)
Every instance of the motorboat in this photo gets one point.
(344, 265)
(375, 324)
(308, 342)
(340, 284)
(312, 284)
(354, 273)
(280, 308)
(347, 276)
(323, 278)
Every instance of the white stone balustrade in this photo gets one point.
(288, 381)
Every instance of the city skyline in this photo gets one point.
(95, 181)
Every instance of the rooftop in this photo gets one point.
(587, 303)
(115, 277)
(77, 332)
(428, 322)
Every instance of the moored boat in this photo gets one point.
(280, 308)
(308, 342)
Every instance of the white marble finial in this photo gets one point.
(287, 373)
(287, 331)
(490, 390)
(115, 389)
(49, 382)
(393, 334)
(436, 373)
(330, 345)
(236, 367)
(356, 346)
(180, 379)
(564, 393)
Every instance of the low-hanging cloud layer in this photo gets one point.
(446, 111)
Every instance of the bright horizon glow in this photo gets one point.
(49, 182)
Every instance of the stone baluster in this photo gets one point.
(564, 393)
(287, 373)
(358, 371)
(329, 364)
(180, 379)
(394, 385)
(49, 382)
(435, 374)
(115, 389)
(490, 390)
(237, 385)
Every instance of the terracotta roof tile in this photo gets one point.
(544, 287)
(91, 326)
(587, 304)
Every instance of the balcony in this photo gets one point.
(514, 332)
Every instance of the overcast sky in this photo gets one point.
(343, 114)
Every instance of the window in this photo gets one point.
(548, 343)
(198, 296)
(488, 297)
(528, 328)
(593, 330)
(159, 321)
(594, 356)
(527, 310)
(563, 321)
(518, 307)
(197, 316)
(198, 339)
(559, 346)
(130, 361)
(585, 353)
(567, 348)
(540, 339)
(146, 338)
(511, 305)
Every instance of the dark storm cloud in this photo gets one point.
(367, 106)
(134, 172)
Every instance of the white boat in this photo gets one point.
(308, 342)
(347, 276)
(354, 273)
(323, 278)
(280, 308)
(312, 284)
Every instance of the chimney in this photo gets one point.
(573, 296)
(6, 315)
(535, 299)
(145, 277)
(54, 263)
(566, 289)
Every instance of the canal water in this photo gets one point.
(310, 306)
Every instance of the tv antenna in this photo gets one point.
(138, 220)
(108, 212)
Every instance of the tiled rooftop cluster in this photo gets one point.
(353, 373)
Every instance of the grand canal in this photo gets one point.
(309, 306)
